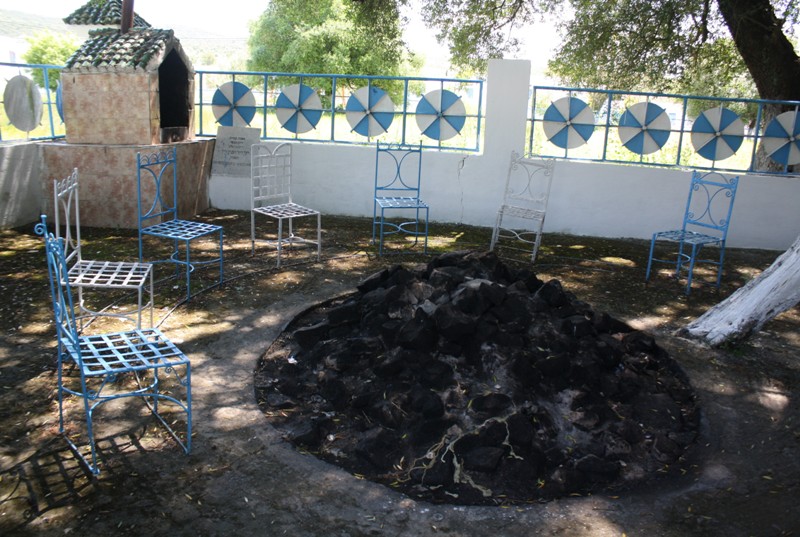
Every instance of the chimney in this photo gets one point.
(127, 16)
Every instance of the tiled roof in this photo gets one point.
(109, 50)
(103, 13)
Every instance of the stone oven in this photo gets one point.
(133, 87)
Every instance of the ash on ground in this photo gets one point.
(467, 381)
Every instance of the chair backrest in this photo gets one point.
(398, 170)
(60, 291)
(528, 182)
(270, 174)
(67, 212)
(157, 186)
(710, 203)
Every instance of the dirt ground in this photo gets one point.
(242, 479)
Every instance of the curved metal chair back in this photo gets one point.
(398, 180)
(106, 362)
(522, 213)
(705, 223)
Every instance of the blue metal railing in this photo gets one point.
(55, 126)
(335, 91)
(603, 141)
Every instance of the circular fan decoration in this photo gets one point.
(781, 138)
(23, 103)
(234, 105)
(440, 114)
(568, 122)
(369, 111)
(298, 108)
(644, 128)
(717, 133)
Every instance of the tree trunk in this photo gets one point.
(768, 54)
(763, 298)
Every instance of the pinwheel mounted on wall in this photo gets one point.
(781, 139)
(644, 128)
(233, 105)
(440, 114)
(717, 133)
(568, 122)
(298, 108)
(369, 111)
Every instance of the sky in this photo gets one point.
(231, 18)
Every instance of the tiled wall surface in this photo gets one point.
(107, 178)
(111, 108)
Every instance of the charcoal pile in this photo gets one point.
(467, 381)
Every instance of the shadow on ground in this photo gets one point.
(242, 479)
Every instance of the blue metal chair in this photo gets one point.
(158, 213)
(398, 174)
(112, 366)
(521, 215)
(705, 223)
(96, 274)
(271, 196)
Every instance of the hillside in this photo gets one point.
(205, 49)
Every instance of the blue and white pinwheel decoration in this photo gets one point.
(781, 139)
(440, 114)
(644, 128)
(298, 108)
(233, 105)
(369, 111)
(568, 122)
(717, 133)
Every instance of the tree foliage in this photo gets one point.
(48, 48)
(649, 45)
(327, 36)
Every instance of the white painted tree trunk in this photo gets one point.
(763, 298)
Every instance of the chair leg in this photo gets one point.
(425, 249)
(496, 231)
(319, 236)
(719, 267)
(691, 269)
(221, 258)
(650, 259)
(188, 271)
(280, 239)
(252, 233)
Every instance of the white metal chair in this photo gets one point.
(705, 223)
(271, 196)
(398, 179)
(522, 213)
(93, 274)
(111, 366)
(158, 216)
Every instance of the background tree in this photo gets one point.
(48, 48)
(331, 36)
(656, 45)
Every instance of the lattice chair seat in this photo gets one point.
(705, 223)
(271, 196)
(158, 216)
(97, 274)
(398, 179)
(111, 366)
(520, 218)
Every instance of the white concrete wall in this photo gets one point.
(21, 200)
(587, 198)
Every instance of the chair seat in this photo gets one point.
(110, 274)
(686, 236)
(522, 212)
(400, 202)
(285, 210)
(181, 229)
(134, 350)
